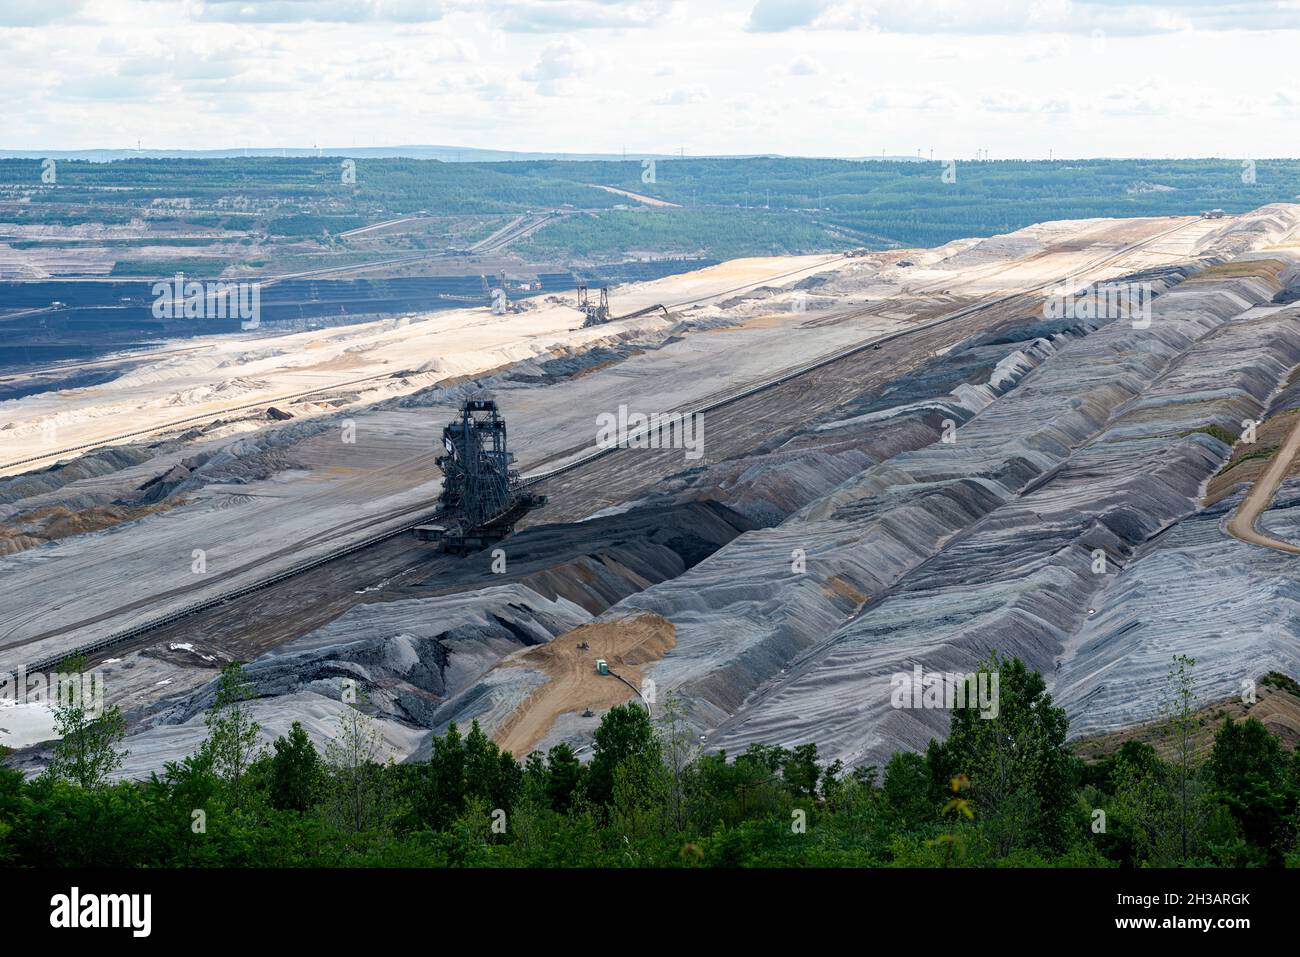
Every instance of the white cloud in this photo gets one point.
(323, 11)
(804, 66)
(775, 16)
(1016, 79)
(560, 62)
(1024, 17)
(1015, 102)
(683, 96)
(31, 13)
(563, 16)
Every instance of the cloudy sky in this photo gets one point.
(809, 77)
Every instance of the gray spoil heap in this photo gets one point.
(959, 510)
(891, 548)
(939, 555)
(440, 637)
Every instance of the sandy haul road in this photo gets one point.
(1242, 522)
(363, 363)
(572, 685)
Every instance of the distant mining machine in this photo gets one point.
(482, 496)
(597, 313)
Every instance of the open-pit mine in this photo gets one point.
(905, 460)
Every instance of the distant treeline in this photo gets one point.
(728, 206)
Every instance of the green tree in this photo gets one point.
(727, 793)
(625, 733)
(534, 789)
(356, 788)
(680, 749)
(87, 751)
(295, 772)
(1250, 773)
(490, 773)
(1145, 818)
(801, 771)
(1179, 712)
(443, 797)
(955, 811)
(564, 777)
(905, 791)
(641, 804)
(1021, 775)
(232, 742)
(11, 807)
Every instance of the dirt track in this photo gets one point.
(1242, 523)
(627, 645)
